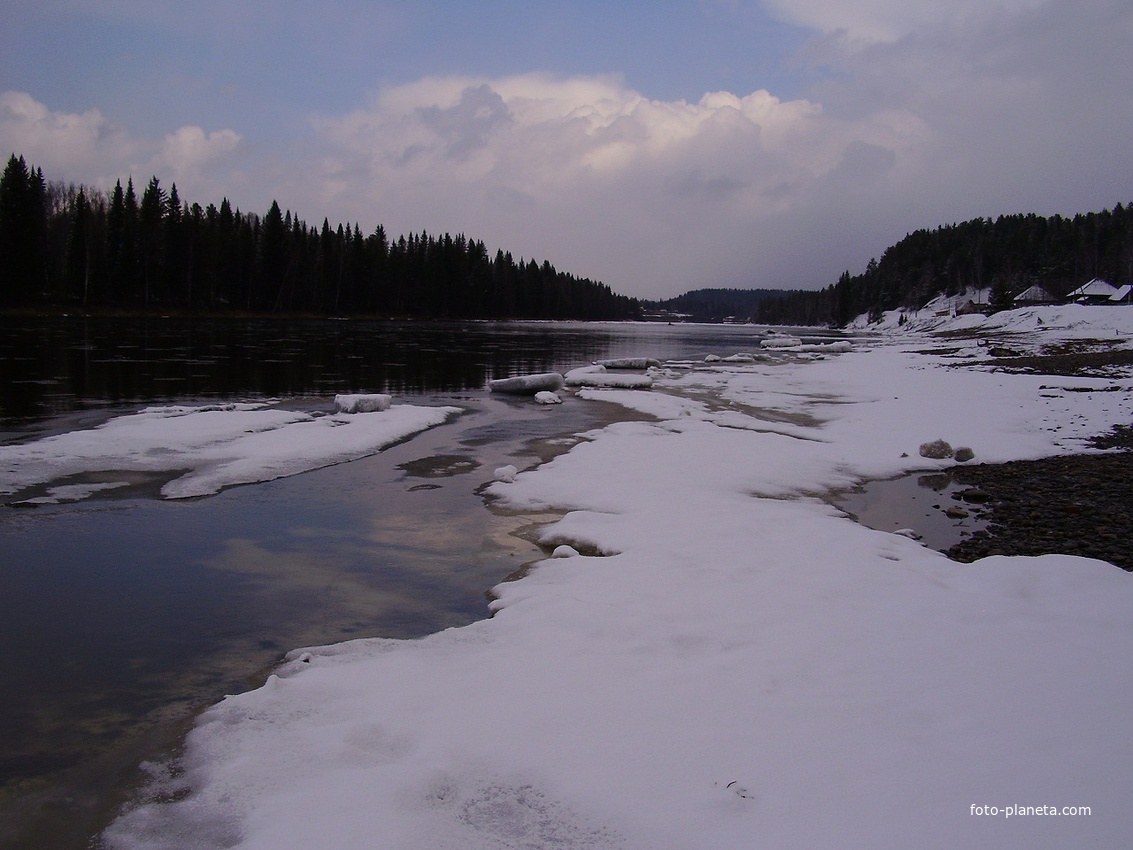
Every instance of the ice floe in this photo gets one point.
(527, 384)
(598, 376)
(206, 448)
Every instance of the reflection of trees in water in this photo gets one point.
(62, 361)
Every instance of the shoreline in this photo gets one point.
(1072, 505)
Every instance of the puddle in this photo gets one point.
(929, 504)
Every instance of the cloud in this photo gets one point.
(188, 149)
(57, 141)
(590, 173)
(974, 110)
(88, 148)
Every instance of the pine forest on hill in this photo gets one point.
(1007, 256)
(68, 247)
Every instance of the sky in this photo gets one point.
(656, 147)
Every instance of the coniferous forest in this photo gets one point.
(1006, 256)
(74, 247)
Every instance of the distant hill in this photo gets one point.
(710, 305)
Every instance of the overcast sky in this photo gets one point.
(658, 147)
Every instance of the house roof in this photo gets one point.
(1095, 288)
(1122, 293)
(1034, 293)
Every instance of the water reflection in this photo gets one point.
(926, 504)
(62, 364)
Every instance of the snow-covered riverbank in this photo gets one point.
(731, 662)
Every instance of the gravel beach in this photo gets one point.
(1077, 505)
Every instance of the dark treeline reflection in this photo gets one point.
(56, 365)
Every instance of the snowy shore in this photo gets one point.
(731, 662)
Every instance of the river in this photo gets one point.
(124, 615)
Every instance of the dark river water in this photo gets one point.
(121, 616)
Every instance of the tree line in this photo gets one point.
(67, 246)
(1006, 256)
(710, 305)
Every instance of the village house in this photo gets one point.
(1033, 295)
(1097, 291)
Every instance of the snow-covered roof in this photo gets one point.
(1033, 293)
(1096, 287)
(1122, 293)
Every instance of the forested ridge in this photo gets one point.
(1006, 255)
(76, 247)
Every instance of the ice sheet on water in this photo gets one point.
(210, 447)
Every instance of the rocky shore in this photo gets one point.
(1077, 505)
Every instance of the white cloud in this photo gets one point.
(58, 141)
(188, 149)
(595, 176)
(88, 148)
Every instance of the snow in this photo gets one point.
(506, 472)
(362, 403)
(208, 447)
(547, 397)
(781, 341)
(720, 659)
(597, 376)
(527, 384)
(628, 363)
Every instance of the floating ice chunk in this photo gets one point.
(907, 532)
(564, 551)
(506, 474)
(547, 397)
(526, 384)
(780, 341)
(597, 376)
(838, 347)
(741, 357)
(712, 358)
(628, 363)
(362, 403)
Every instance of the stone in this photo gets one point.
(974, 494)
(964, 454)
(936, 450)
